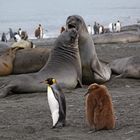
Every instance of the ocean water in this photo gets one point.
(52, 14)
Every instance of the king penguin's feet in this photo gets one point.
(59, 125)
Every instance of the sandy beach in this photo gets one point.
(27, 116)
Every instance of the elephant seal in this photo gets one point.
(126, 67)
(92, 69)
(23, 44)
(6, 61)
(119, 37)
(63, 64)
(30, 60)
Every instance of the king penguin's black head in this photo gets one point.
(49, 81)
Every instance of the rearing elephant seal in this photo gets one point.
(126, 67)
(92, 69)
(63, 64)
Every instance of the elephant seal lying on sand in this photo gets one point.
(30, 60)
(63, 64)
(120, 37)
(23, 44)
(126, 67)
(92, 69)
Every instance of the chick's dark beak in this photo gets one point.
(86, 93)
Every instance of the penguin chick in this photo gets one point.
(99, 108)
(56, 101)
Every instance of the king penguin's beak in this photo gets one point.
(45, 82)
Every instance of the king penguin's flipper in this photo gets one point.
(59, 95)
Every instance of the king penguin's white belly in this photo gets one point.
(54, 106)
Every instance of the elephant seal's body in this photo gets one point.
(126, 67)
(63, 64)
(119, 37)
(92, 69)
(30, 60)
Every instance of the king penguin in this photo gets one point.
(56, 101)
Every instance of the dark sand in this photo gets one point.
(27, 116)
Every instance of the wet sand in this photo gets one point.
(27, 116)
